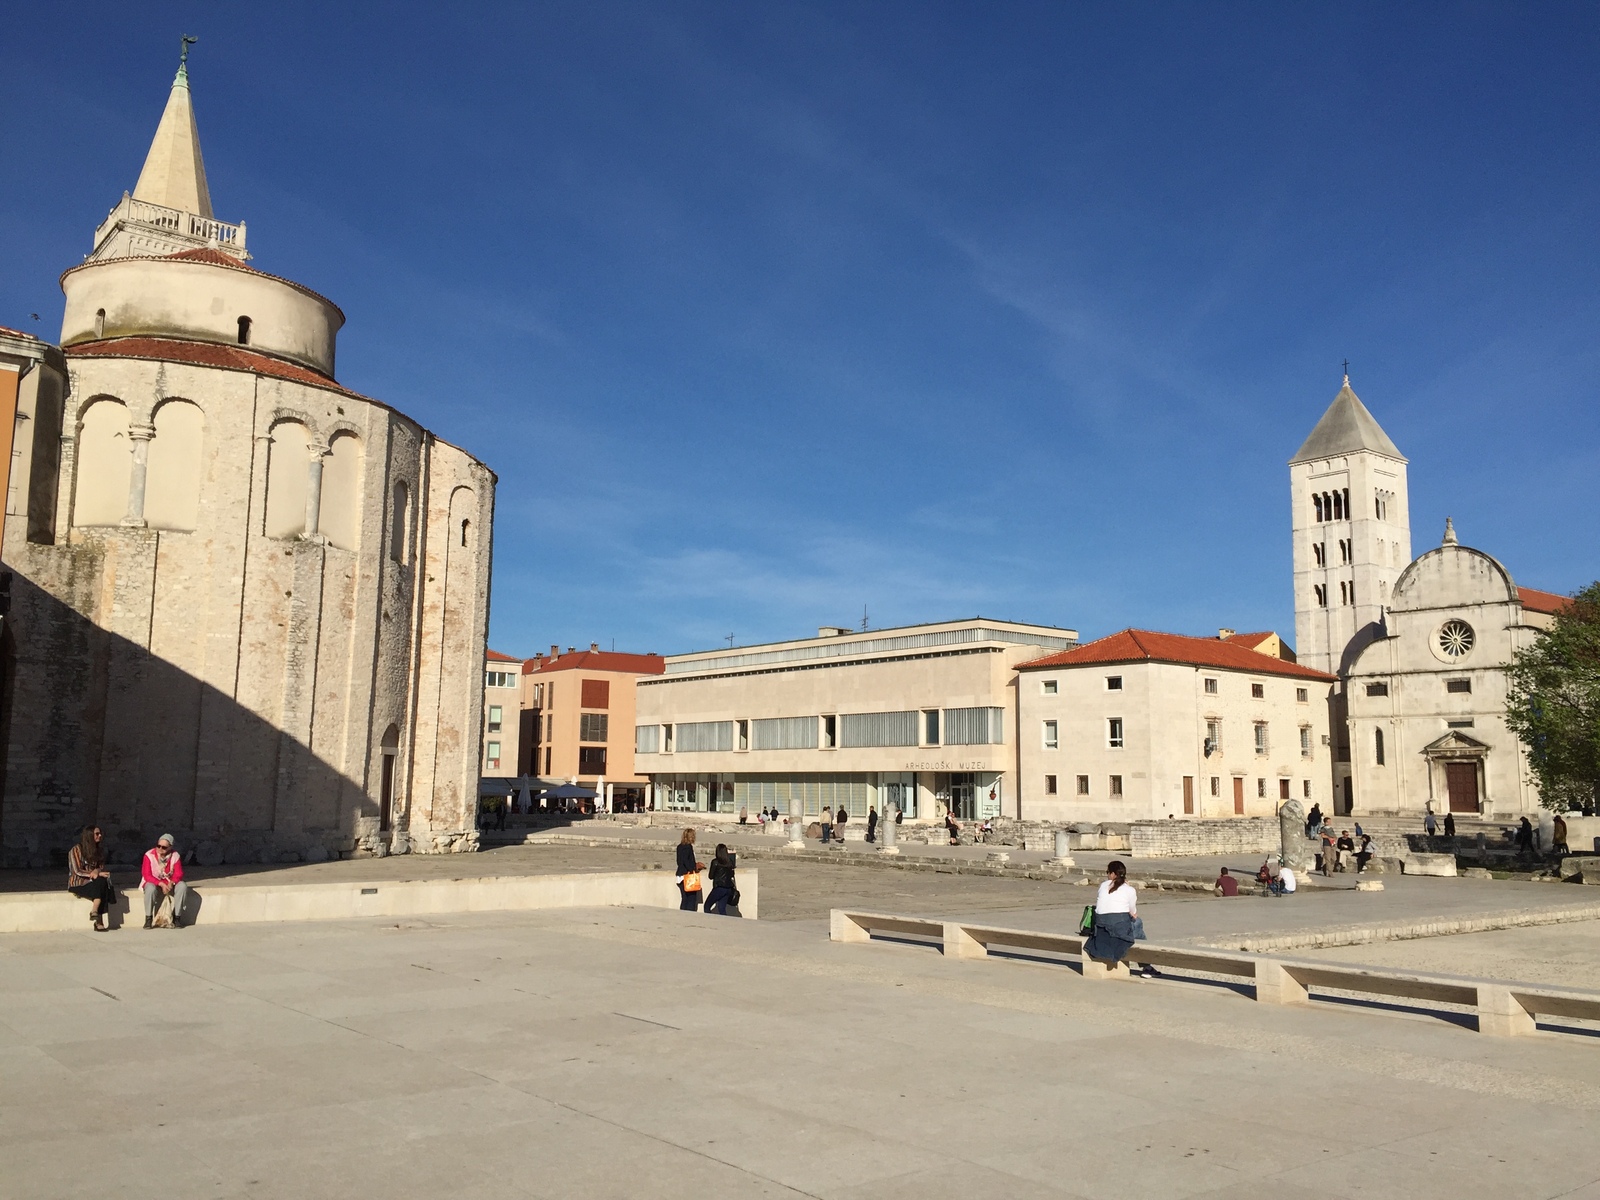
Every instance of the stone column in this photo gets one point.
(140, 436)
(887, 831)
(319, 451)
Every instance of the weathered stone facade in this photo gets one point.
(250, 606)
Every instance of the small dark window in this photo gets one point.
(1049, 785)
(244, 331)
(591, 760)
(830, 732)
(1258, 691)
(465, 526)
(1377, 746)
(1377, 689)
(100, 323)
(1113, 683)
(1458, 685)
(1083, 785)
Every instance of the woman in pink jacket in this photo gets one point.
(163, 876)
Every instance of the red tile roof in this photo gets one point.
(203, 354)
(598, 660)
(1542, 602)
(215, 257)
(496, 656)
(18, 333)
(1144, 645)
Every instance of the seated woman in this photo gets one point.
(88, 878)
(1116, 916)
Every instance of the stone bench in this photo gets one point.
(223, 904)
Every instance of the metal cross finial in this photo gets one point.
(183, 59)
(1347, 370)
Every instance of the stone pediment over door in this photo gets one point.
(1456, 744)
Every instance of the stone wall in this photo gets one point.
(1174, 839)
(238, 690)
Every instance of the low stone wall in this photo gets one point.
(228, 904)
(1177, 839)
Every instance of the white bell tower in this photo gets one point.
(1352, 532)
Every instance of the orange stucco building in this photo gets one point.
(579, 716)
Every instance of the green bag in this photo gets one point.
(1086, 922)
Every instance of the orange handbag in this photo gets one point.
(691, 881)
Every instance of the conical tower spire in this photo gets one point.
(174, 174)
(1347, 426)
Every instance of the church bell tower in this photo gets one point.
(1352, 532)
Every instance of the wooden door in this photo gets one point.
(1461, 780)
(1238, 796)
(1188, 795)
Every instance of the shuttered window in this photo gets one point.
(878, 729)
(592, 727)
(705, 735)
(783, 733)
(974, 726)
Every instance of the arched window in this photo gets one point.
(465, 527)
(244, 331)
(1338, 507)
(389, 752)
(288, 479)
(100, 323)
(1316, 503)
(400, 523)
(172, 478)
(1377, 746)
(105, 465)
(341, 491)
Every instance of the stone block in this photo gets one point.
(316, 854)
(1369, 885)
(1442, 866)
(1586, 865)
(1477, 873)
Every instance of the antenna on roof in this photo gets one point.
(729, 640)
(863, 618)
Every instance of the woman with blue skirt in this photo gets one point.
(1116, 918)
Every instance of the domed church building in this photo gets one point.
(249, 605)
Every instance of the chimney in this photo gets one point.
(554, 650)
(572, 649)
(594, 647)
(1224, 634)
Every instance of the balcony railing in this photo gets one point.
(185, 225)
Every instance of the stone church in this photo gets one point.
(1420, 646)
(249, 604)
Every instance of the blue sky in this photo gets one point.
(766, 314)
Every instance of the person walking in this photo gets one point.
(722, 889)
(953, 828)
(827, 824)
(161, 875)
(1430, 825)
(1330, 851)
(1314, 819)
(840, 818)
(88, 879)
(872, 823)
(1450, 825)
(689, 885)
(1525, 838)
(1116, 916)
(1558, 836)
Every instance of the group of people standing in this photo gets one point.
(160, 877)
(692, 875)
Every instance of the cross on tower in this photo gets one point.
(1347, 370)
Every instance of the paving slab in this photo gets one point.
(617, 1052)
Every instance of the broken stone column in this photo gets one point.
(1299, 852)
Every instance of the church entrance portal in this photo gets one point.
(1461, 780)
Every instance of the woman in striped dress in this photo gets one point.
(88, 878)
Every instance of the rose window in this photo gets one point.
(1455, 638)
